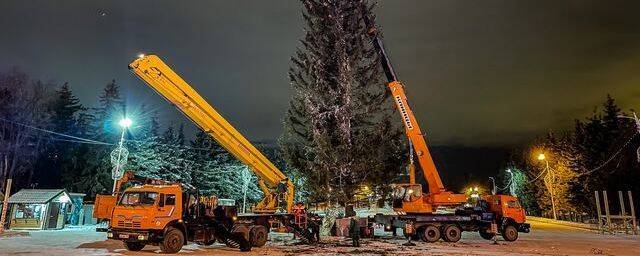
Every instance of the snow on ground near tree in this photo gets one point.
(545, 239)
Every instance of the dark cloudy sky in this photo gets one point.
(477, 72)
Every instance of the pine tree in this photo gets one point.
(62, 157)
(339, 112)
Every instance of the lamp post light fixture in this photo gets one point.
(125, 123)
(548, 182)
(542, 157)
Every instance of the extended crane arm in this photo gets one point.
(278, 190)
(412, 128)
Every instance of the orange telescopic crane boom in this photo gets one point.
(277, 188)
(415, 201)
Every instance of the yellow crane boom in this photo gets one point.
(278, 190)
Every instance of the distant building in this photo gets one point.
(44, 209)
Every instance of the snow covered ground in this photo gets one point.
(545, 239)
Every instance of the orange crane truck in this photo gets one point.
(276, 211)
(439, 213)
(138, 224)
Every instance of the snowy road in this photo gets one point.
(545, 239)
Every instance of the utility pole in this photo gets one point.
(551, 176)
(119, 155)
(5, 205)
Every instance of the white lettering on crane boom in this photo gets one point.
(403, 111)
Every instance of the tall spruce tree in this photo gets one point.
(339, 130)
(62, 156)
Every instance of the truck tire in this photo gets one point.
(451, 233)
(510, 233)
(486, 234)
(173, 241)
(258, 236)
(134, 246)
(430, 234)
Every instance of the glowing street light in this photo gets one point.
(125, 122)
(542, 157)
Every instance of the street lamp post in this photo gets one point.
(512, 185)
(548, 180)
(124, 123)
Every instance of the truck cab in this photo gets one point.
(509, 215)
(148, 207)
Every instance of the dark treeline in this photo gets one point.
(601, 152)
(48, 139)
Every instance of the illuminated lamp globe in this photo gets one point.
(125, 122)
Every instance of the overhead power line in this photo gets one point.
(55, 133)
(610, 158)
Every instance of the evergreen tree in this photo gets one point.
(339, 112)
(61, 162)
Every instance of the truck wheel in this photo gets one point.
(258, 236)
(173, 241)
(510, 233)
(134, 246)
(485, 234)
(430, 234)
(451, 233)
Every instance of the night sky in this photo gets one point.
(478, 73)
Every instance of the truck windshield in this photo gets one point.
(138, 198)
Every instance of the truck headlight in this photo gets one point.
(142, 237)
(109, 235)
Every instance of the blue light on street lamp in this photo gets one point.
(125, 123)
